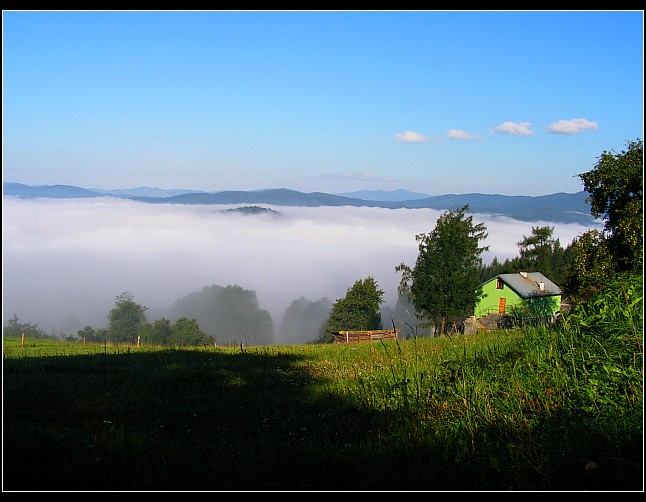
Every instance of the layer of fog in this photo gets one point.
(66, 261)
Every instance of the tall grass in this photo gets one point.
(555, 407)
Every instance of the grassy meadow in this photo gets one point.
(556, 407)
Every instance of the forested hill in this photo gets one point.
(557, 207)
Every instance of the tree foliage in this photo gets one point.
(157, 333)
(162, 331)
(615, 185)
(17, 329)
(186, 331)
(125, 319)
(183, 332)
(615, 188)
(89, 334)
(538, 252)
(591, 266)
(359, 309)
(445, 284)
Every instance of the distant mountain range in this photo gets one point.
(145, 192)
(558, 207)
(392, 195)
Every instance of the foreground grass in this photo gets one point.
(558, 408)
(466, 413)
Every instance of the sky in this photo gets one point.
(506, 102)
(66, 261)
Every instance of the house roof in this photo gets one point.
(529, 286)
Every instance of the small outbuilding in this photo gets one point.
(524, 294)
(365, 336)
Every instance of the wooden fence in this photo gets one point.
(365, 336)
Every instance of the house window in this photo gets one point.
(499, 284)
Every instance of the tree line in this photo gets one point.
(440, 289)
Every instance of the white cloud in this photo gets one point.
(574, 126)
(461, 134)
(411, 137)
(516, 129)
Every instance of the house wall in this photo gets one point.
(488, 304)
(540, 305)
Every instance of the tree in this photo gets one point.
(536, 250)
(17, 329)
(445, 283)
(591, 266)
(186, 331)
(359, 309)
(125, 319)
(157, 333)
(615, 185)
(90, 335)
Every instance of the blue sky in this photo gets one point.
(515, 103)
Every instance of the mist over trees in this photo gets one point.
(301, 323)
(58, 276)
(229, 314)
(404, 318)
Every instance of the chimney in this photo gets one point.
(541, 285)
(524, 274)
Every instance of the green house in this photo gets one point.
(526, 294)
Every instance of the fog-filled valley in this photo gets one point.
(65, 261)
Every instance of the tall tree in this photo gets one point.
(359, 309)
(591, 266)
(536, 250)
(445, 283)
(125, 319)
(615, 185)
(541, 252)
